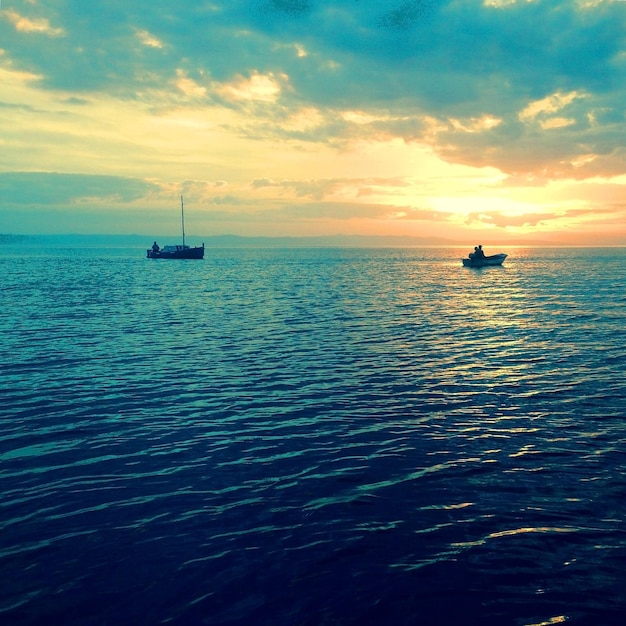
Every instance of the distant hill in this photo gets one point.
(78, 241)
(225, 241)
(7, 240)
(327, 241)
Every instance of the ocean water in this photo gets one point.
(312, 437)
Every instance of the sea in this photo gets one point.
(312, 437)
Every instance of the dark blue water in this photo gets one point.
(312, 437)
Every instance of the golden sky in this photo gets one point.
(498, 120)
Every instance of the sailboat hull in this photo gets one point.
(177, 252)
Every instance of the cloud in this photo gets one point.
(345, 211)
(548, 105)
(335, 189)
(188, 86)
(48, 188)
(549, 219)
(226, 199)
(259, 87)
(260, 183)
(32, 25)
(534, 89)
(147, 39)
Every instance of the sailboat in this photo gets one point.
(177, 252)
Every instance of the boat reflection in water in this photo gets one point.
(178, 251)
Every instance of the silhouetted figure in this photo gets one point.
(479, 254)
(155, 247)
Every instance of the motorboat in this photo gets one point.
(486, 261)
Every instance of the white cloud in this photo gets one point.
(188, 86)
(148, 39)
(550, 104)
(256, 87)
(503, 3)
(475, 125)
(556, 122)
(28, 25)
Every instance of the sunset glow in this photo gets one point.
(504, 120)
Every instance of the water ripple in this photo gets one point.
(313, 436)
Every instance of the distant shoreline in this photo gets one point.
(324, 241)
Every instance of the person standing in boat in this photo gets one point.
(479, 254)
(155, 247)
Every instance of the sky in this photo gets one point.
(490, 120)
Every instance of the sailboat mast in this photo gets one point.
(182, 216)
